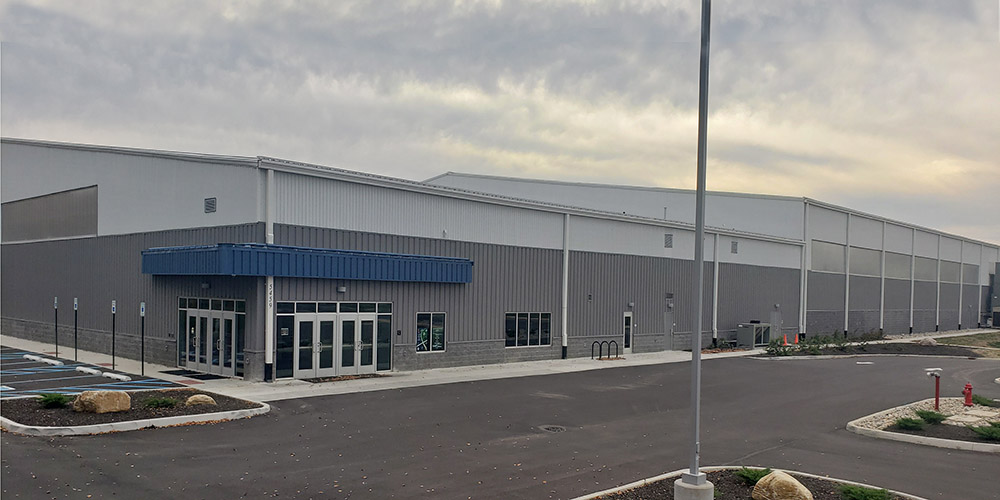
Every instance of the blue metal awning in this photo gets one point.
(257, 259)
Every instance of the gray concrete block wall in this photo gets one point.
(650, 342)
(924, 321)
(127, 344)
(897, 321)
(824, 323)
(473, 353)
(862, 322)
(948, 320)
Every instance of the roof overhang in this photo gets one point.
(257, 259)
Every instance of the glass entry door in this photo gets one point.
(315, 356)
(356, 344)
(211, 342)
(627, 332)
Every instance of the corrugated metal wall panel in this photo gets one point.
(970, 306)
(897, 306)
(865, 293)
(949, 306)
(326, 203)
(99, 270)
(751, 292)
(504, 279)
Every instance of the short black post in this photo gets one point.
(55, 307)
(76, 350)
(114, 306)
(142, 339)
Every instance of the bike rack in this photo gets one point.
(600, 349)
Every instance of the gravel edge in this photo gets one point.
(131, 425)
(952, 444)
(677, 473)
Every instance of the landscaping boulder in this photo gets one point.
(928, 342)
(102, 401)
(200, 399)
(780, 486)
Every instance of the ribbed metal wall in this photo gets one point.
(924, 306)
(897, 306)
(949, 306)
(326, 203)
(99, 270)
(825, 313)
(970, 306)
(865, 303)
(504, 279)
(751, 292)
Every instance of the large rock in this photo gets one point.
(780, 486)
(928, 342)
(102, 401)
(200, 399)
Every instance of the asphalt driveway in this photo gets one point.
(485, 439)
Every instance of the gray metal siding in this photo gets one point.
(751, 292)
(970, 306)
(949, 306)
(504, 279)
(59, 215)
(825, 313)
(863, 316)
(101, 269)
(897, 306)
(924, 306)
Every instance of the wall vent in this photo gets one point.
(210, 204)
(735, 248)
(668, 240)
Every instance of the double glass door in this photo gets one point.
(331, 344)
(211, 346)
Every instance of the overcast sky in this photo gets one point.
(890, 107)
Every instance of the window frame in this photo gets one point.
(539, 315)
(430, 333)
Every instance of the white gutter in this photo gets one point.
(913, 270)
(715, 290)
(847, 276)
(881, 298)
(804, 278)
(269, 281)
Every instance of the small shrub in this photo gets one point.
(852, 492)
(910, 424)
(751, 476)
(54, 400)
(988, 432)
(931, 416)
(161, 403)
(980, 400)
(840, 343)
(777, 348)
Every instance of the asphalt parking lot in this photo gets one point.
(20, 377)
(486, 440)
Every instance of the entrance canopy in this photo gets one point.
(258, 259)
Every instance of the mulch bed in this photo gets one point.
(944, 431)
(729, 486)
(27, 411)
(895, 348)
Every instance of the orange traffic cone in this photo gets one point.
(785, 337)
(796, 339)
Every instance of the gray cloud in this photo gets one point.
(870, 104)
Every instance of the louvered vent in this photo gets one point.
(210, 204)
(668, 240)
(735, 247)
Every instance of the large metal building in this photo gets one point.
(264, 268)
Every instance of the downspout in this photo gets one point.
(715, 291)
(847, 276)
(804, 279)
(979, 289)
(913, 269)
(937, 292)
(269, 371)
(565, 286)
(961, 282)
(881, 298)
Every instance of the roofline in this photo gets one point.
(245, 161)
(839, 208)
(618, 186)
(464, 194)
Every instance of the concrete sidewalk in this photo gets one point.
(291, 389)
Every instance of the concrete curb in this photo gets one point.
(677, 473)
(910, 438)
(843, 356)
(84, 430)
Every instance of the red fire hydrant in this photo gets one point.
(967, 392)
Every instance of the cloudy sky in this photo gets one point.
(891, 107)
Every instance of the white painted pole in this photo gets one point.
(269, 283)
(715, 290)
(565, 287)
(847, 276)
(881, 298)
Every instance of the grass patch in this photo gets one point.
(982, 400)
(931, 416)
(54, 400)
(988, 432)
(852, 492)
(910, 424)
(161, 403)
(751, 476)
(989, 339)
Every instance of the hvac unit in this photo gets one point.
(753, 334)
